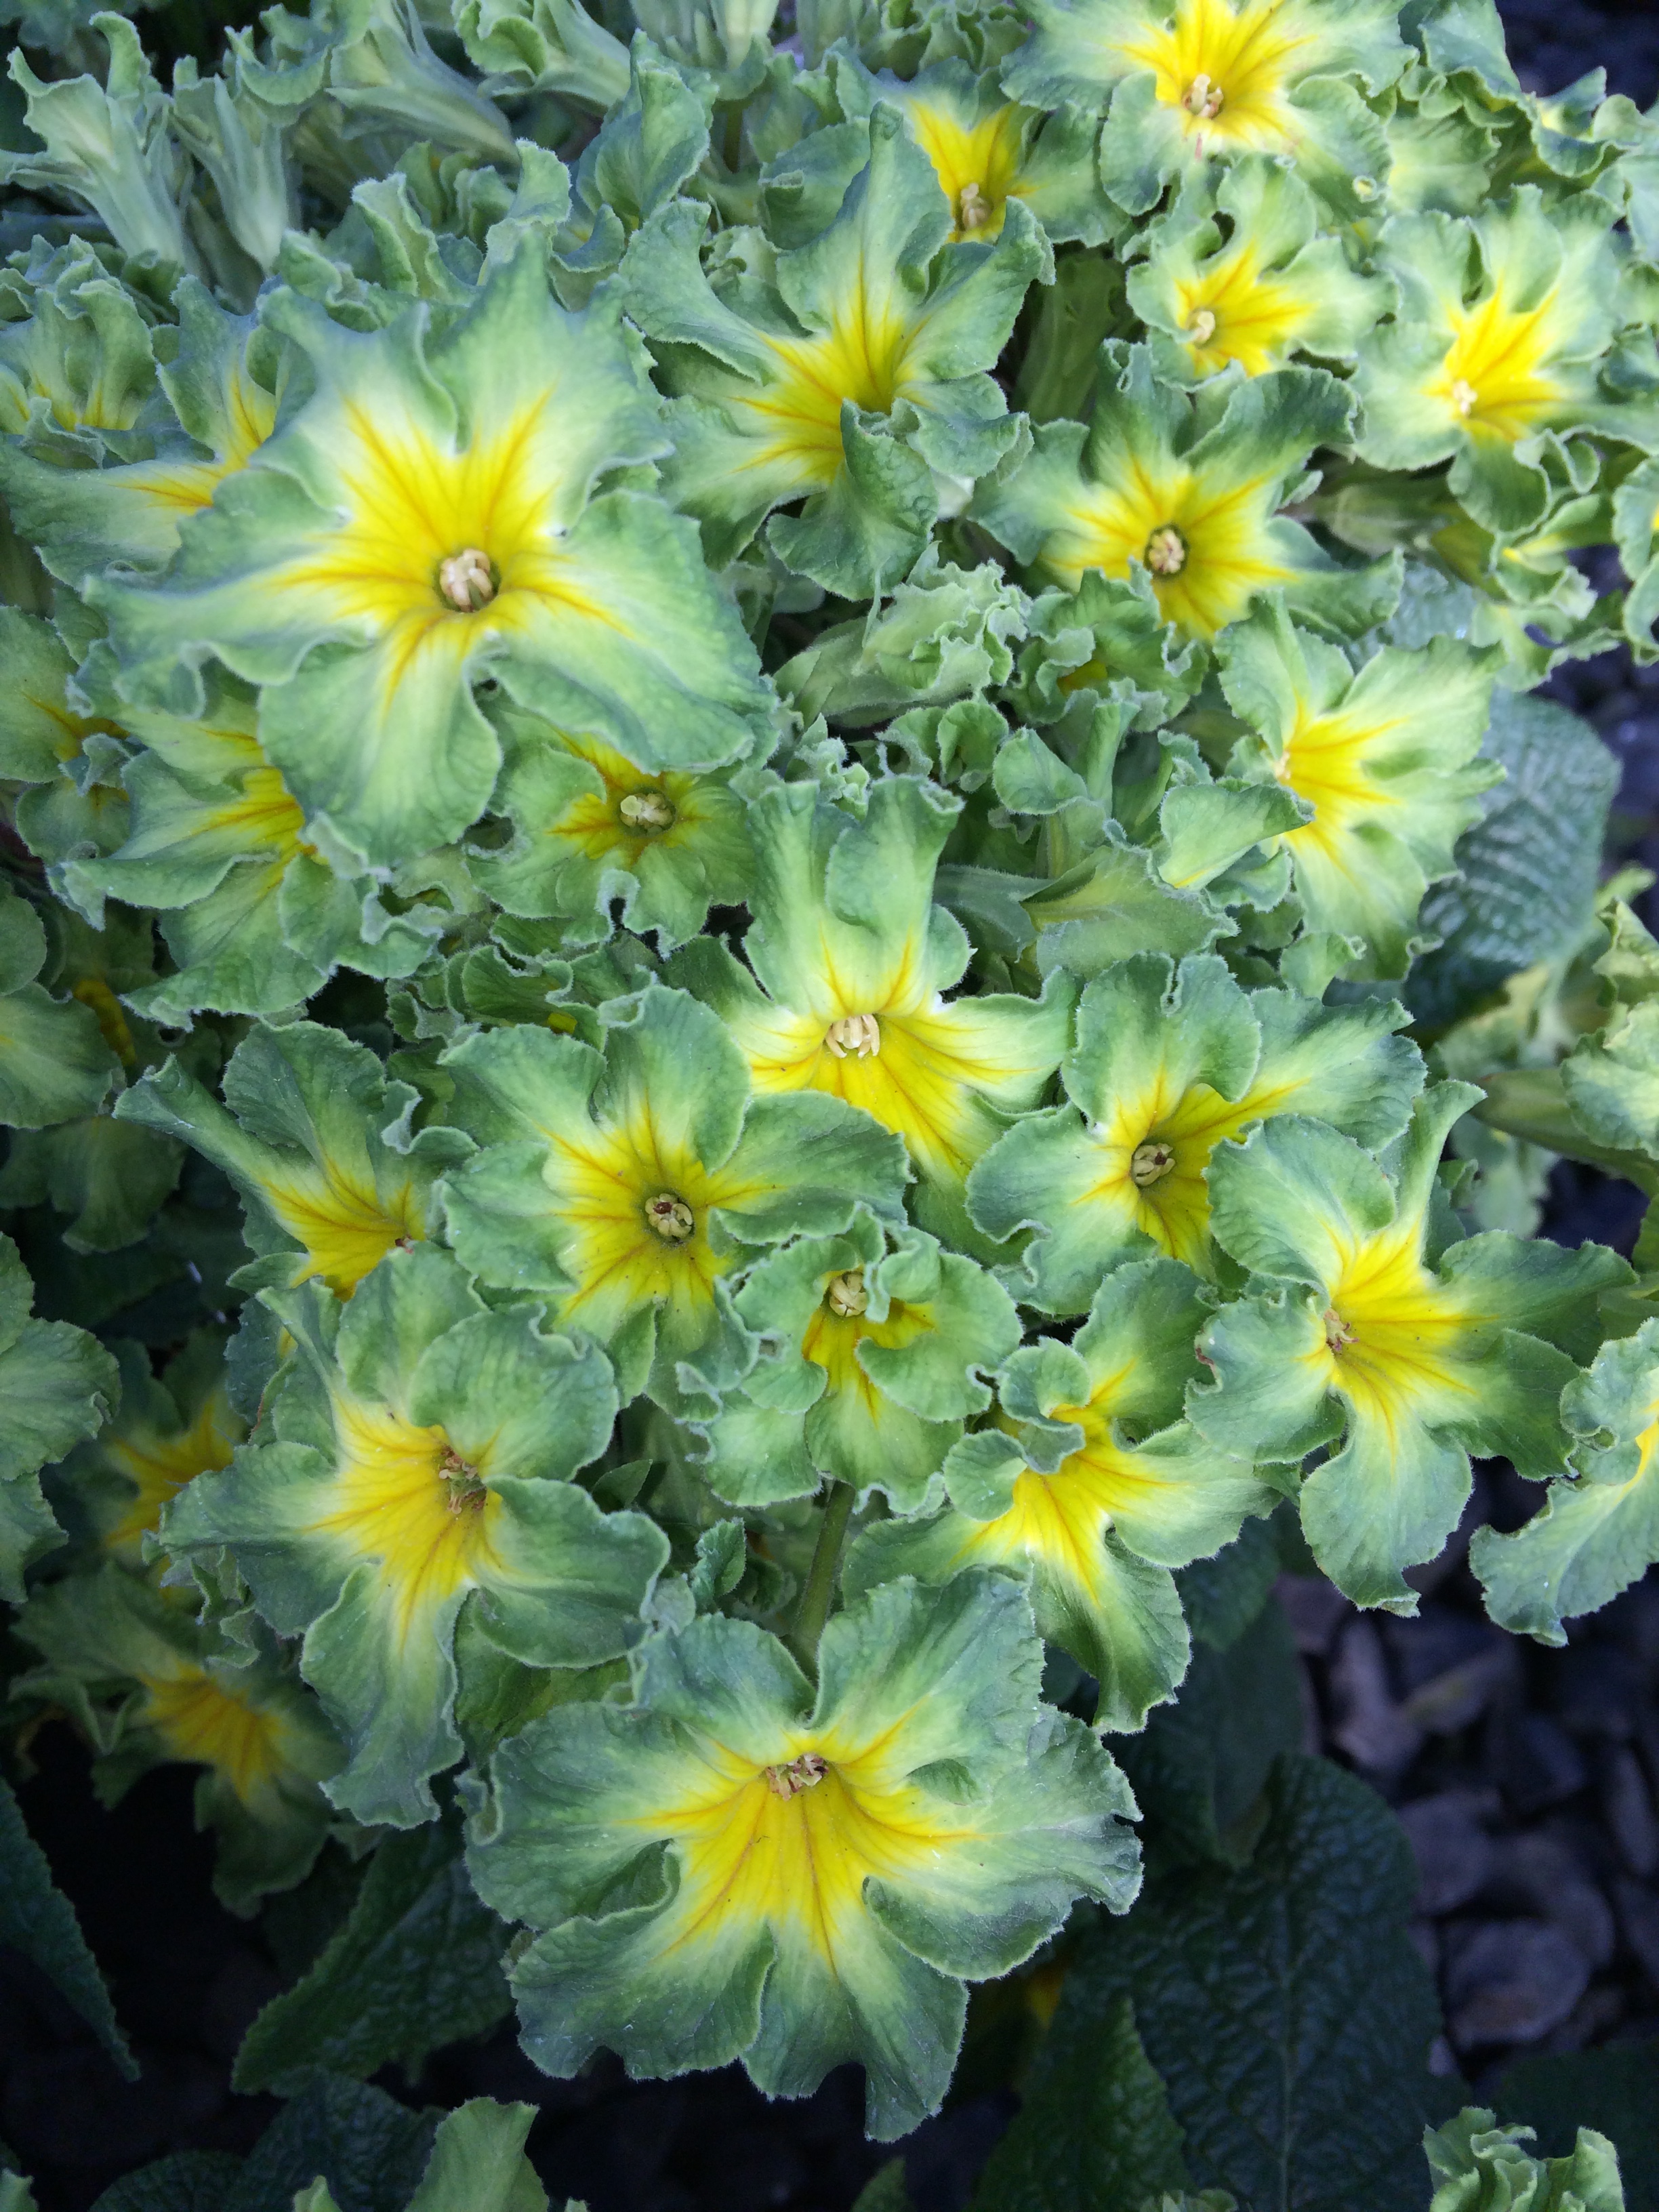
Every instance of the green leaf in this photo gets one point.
(1199, 1769)
(369, 2149)
(1283, 2004)
(1529, 866)
(37, 1919)
(189, 2181)
(1095, 2129)
(417, 1965)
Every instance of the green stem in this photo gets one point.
(814, 1609)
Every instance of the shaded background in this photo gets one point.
(1527, 1779)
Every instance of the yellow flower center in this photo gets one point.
(467, 580)
(847, 1295)
(1166, 552)
(1257, 51)
(977, 161)
(1391, 1330)
(346, 1227)
(861, 358)
(1200, 326)
(670, 1217)
(1337, 1334)
(1495, 378)
(855, 1033)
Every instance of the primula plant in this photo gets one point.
(785, 958)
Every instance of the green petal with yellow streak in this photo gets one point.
(1093, 1519)
(299, 1135)
(1385, 756)
(319, 571)
(421, 1447)
(799, 1892)
(1193, 498)
(851, 960)
(630, 1184)
(873, 1357)
(1269, 286)
(1504, 317)
(1422, 1356)
(1169, 1063)
(148, 1684)
(1598, 1533)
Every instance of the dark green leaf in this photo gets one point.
(1095, 2131)
(37, 1919)
(416, 1964)
(1223, 1596)
(189, 2181)
(1202, 1762)
(370, 2149)
(1529, 865)
(885, 2190)
(1283, 2004)
(1616, 2092)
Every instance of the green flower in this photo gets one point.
(852, 374)
(1241, 271)
(630, 1184)
(591, 829)
(1189, 491)
(1091, 1489)
(126, 431)
(1498, 350)
(1385, 756)
(414, 1460)
(1374, 1336)
(1169, 1063)
(1598, 1533)
(850, 959)
(255, 921)
(432, 511)
(57, 1387)
(1192, 80)
(878, 1337)
(301, 1134)
(731, 1869)
(55, 1062)
(148, 1686)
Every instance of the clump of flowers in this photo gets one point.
(733, 777)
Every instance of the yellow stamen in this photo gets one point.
(974, 210)
(670, 1217)
(1150, 1163)
(1201, 327)
(847, 1294)
(467, 580)
(647, 809)
(1203, 98)
(1464, 398)
(802, 1773)
(855, 1033)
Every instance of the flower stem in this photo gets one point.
(814, 1608)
